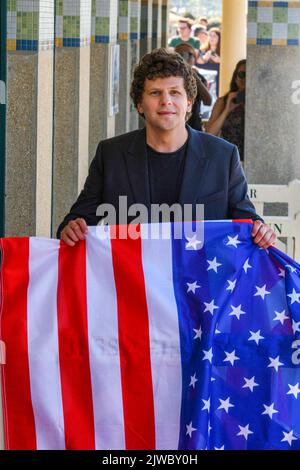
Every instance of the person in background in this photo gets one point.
(185, 37)
(200, 32)
(228, 115)
(203, 21)
(189, 55)
(211, 51)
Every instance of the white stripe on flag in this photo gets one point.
(43, 349)
(103, 343)
(164, 338)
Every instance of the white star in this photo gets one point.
(281, 272)
(237, 311)
(198, 333)
(190, 429)
(231, 286)
(289, 437)
(246, 265)
(210, 307)
(231, 357)
(192, 243)
(220, 448)
(244, 431)
(280, 316)
(208, 355)
(269, 410)
(225, 404)
(192, 287)
(294, 390)
(213, 265)
(261, 291)
(296, 326)
(295, 297)
(255, 336)
(233, 241)
(274, 362)
(250, 383)
(193, 381)
(292, 269)
(206, 404)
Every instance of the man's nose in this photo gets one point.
(166, 98)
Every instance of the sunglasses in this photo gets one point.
(241, 74)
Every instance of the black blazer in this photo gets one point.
(212, 176)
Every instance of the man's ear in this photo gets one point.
(190, 105)
(140, 108)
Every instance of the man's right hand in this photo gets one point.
(73, 232)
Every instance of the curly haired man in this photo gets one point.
(166, 162)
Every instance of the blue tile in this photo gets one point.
(264, 42)
(252, 4)
(133, 35)
(293, 42)
(26, 45)
(280, 4)
(71, 42)
(102, 39)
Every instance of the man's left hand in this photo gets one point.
(263, 235)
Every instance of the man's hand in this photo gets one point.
(263, 235)
(73, 232)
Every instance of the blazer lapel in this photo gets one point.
(195, 168)
(137, 167)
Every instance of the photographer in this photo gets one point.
(228, 115)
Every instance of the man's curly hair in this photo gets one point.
(161, 63)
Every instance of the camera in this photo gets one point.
(240, 97)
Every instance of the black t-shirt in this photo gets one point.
(165, 175)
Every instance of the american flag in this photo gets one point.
(151, 343)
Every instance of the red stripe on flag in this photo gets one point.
(245, 221)
(73, 348)
(134, 345)
(18, 411)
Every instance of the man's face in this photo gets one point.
(165, 103)
(184, 31)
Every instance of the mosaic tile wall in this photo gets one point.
(30, 25)
(274, 23)
(124, 23)
(156, 19)
(164, 19)
(146, 22)
(135, 14)
(67, 23)
(73, 23)
(104, 29)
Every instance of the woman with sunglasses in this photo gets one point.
(228, 115)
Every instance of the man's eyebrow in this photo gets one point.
(170, 88)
